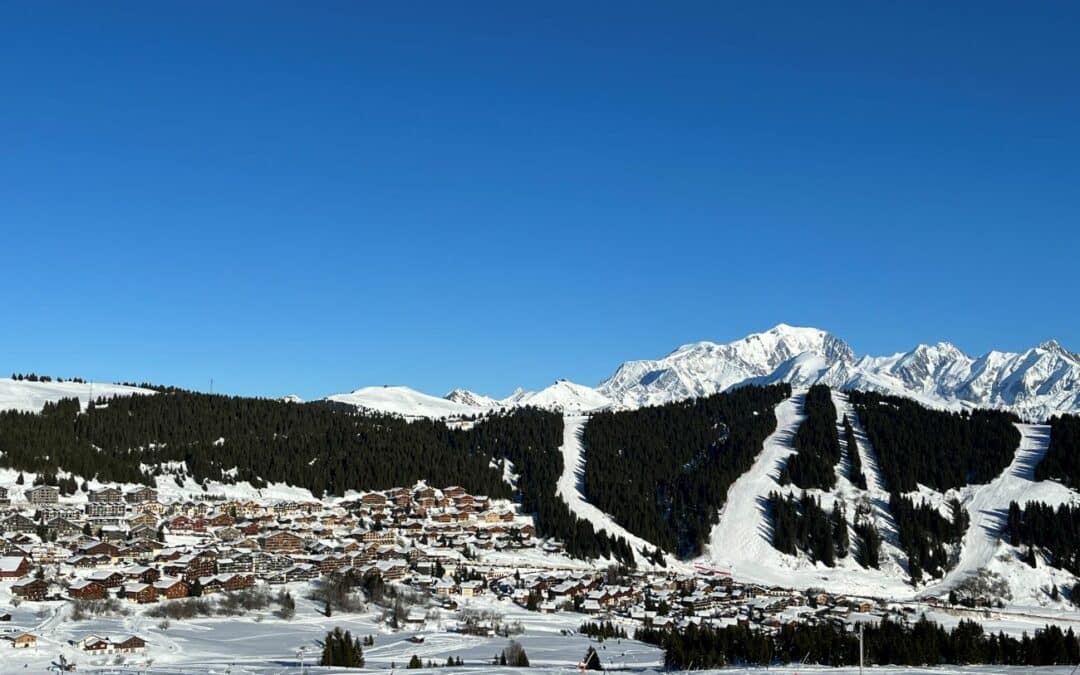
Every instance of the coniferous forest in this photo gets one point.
(663, 472)
(803, 525)
(1062, 459)
(817, 444)
(923, 533)
(924, 643)
(868, 544)
(327, 448)
(855, 470)
(1054, 532)
(938, 449)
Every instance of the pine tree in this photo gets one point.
(591, 660)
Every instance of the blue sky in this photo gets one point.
(308, 199)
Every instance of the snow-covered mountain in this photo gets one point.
(471, 399)
(30, 396)
(563, 395)
(1035, 383)
(704, 368)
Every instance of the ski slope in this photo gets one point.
(572, 490)
(988, 507)
(741, 540)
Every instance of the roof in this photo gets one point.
(11, 563)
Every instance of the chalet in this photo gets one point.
(471, 588)
(283, 541)
(113, 534)
(14, 567)
(86, 590)
(145, 518)
(106, 495)
(144, 532)
(62, 527)
(221, 520)
(140, 593)
(17, 523)
(107, 578)
(210, 585)
(171, 588)
(141, 573)
(24, 641)
(373, 499)
(31, 589)
(301, 572)
(129, 645)
(98, 548)
(141, 495)
(97, 645)
(48, 554)
(236, 582)
(92, 644)
(43, 494)
(201, 565)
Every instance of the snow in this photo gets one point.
(571, 488)
(561, 396)
(406, 402)
(1035, 383)
(987, 505)
(32, 396)
(741, 540)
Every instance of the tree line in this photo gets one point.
(923, 643)
(1062, 459)
(663, 472)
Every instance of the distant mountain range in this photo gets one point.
(1035, 383)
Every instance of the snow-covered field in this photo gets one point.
(263, 643)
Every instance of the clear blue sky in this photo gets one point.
(311, 197)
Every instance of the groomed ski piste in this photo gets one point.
(741, 540)
(988, 505)
(571, 488)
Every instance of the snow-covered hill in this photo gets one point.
(561, 396)
(405, 402)
(32, 396)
